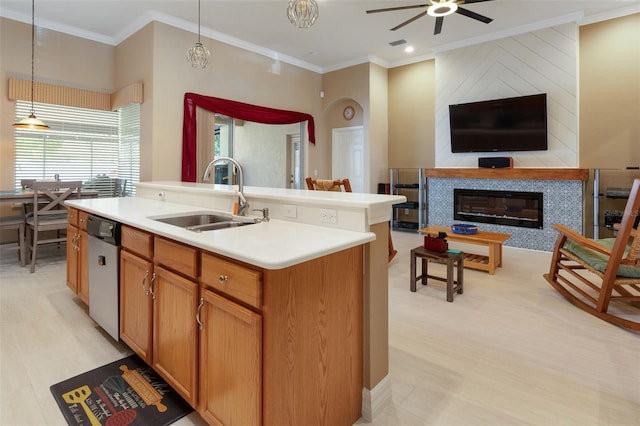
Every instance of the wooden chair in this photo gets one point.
(337, 185)
(328, 184)
(595, 275)
(50, 216)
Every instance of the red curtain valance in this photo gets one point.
(233, 109)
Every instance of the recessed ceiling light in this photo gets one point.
(408, 49)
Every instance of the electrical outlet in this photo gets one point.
(328, 216)
(289, 210)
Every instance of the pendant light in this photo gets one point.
(302, 13)
(198, 55)
(31, 122)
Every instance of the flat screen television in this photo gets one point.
(500, 125)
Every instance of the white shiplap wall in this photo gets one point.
(543, 61)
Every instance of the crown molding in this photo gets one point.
(497, 35)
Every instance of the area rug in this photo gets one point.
(124, 392)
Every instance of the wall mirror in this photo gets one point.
(268, 143)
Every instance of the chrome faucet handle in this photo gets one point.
(265, 214)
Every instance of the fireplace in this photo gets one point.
(511, 208)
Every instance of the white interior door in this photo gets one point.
(347, 156)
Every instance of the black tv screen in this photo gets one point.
(509, 124)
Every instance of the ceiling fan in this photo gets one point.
(438, 9)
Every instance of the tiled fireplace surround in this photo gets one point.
(563, 199)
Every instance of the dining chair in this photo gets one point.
(16, 222)
(49, 216)
(119, 187)
(337, 185)
(328, 184)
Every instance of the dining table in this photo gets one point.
(26, 195)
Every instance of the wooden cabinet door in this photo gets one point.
(83, 266)
(136, 275)
(72, 258)
(175, 353)
(230, 362)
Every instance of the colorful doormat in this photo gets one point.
(125, 392)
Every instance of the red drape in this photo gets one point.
(233, 109)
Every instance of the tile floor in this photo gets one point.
(509, 351)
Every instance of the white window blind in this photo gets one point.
(100, 148)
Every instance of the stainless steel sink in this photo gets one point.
(193, 219)
(218, 225)
(199, 222)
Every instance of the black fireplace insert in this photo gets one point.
(511, 208)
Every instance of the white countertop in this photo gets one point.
(275, 244)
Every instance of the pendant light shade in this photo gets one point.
(31, 122)
(302, 13)
(198, 55)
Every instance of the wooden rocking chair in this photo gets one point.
(592, 274)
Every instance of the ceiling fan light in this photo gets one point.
(302, 13)
(442, 9)
(31, 123)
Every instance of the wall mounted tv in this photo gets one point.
(500, 125)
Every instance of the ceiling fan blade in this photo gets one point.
(438, 27)
(408, 21)
(473, 15)
(475, 1)
(391, 9)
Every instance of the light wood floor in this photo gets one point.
(509, 351)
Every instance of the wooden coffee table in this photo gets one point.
(492, 240)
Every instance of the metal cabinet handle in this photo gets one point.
(222, 278)
(77, 244)
(144, 282)
(153, 280)
(200, 324)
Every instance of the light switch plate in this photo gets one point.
(289, 210)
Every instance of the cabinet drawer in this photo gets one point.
(137, 241)
(82, 220)
(237, 281)
(176, 256)
(72, 216)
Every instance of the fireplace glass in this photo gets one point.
(511, 208)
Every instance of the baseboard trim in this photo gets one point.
(374, 400)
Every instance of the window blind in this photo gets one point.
(82, 144)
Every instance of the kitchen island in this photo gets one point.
(294, 298)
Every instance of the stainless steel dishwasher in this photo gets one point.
(104, 273)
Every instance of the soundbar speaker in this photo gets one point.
(495, 162)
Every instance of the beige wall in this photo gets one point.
(610, 93)
(155, 56)
(363, 86)
(609, 109)
(60, 59)
(412, 115)
(378, 127)
(234, 74)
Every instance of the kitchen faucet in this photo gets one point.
(243, 204)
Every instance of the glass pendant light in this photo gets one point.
(31, 122)
(302, 13)
(198, 55)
